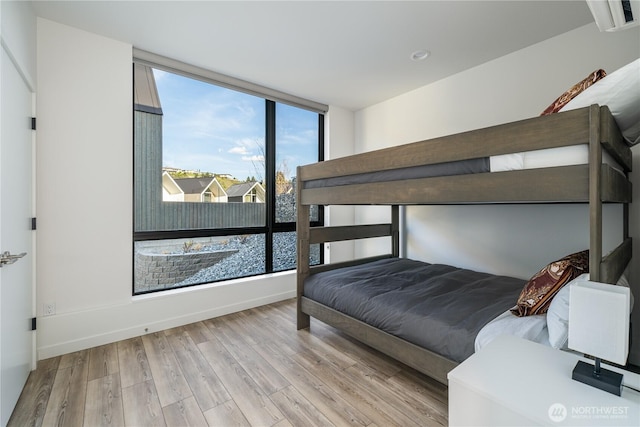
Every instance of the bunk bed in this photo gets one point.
(372, 178)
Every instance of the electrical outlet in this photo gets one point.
(49, 309)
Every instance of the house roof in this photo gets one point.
(145, 96)
(170, 184)
(194, 185)
(241, 189)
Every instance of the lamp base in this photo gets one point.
(606, 380)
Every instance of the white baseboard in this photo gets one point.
(70, 332)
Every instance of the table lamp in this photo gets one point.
(599, 327)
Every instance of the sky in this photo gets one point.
(214, 129)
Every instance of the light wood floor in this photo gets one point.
(247, 369)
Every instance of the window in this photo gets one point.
(214, 180)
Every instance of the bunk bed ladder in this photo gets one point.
(606, 269)
(595, 200)
(303, 250)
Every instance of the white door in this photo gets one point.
(16, 304)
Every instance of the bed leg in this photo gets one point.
(303, 321)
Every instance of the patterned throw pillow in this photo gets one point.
(573, 92)
(538, 292)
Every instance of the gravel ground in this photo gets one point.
(250, 258)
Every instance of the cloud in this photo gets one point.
(253, 158)
(247, 146)
(238, 150)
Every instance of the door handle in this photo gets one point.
(6, 258)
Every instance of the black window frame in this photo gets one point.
(268, 230)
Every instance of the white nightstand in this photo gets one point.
(517, 382)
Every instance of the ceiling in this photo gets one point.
(350, 54)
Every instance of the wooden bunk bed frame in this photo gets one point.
(595, 183)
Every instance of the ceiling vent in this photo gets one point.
(615, 15)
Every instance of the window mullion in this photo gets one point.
(270, 184)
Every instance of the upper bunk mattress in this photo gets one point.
(435, 306)
(551, 157)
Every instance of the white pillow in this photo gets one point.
(530, 328)
(620, 91)
(558, 313)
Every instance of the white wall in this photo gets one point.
(511, 240)
(18, 23)
(339, 142)
(84, 196)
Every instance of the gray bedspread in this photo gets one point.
(435, 306)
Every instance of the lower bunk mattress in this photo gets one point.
(435, 306)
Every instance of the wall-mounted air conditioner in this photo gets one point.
(614, 15)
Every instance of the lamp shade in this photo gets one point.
(599, 320)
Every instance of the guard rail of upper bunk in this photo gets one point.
(592, 125)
